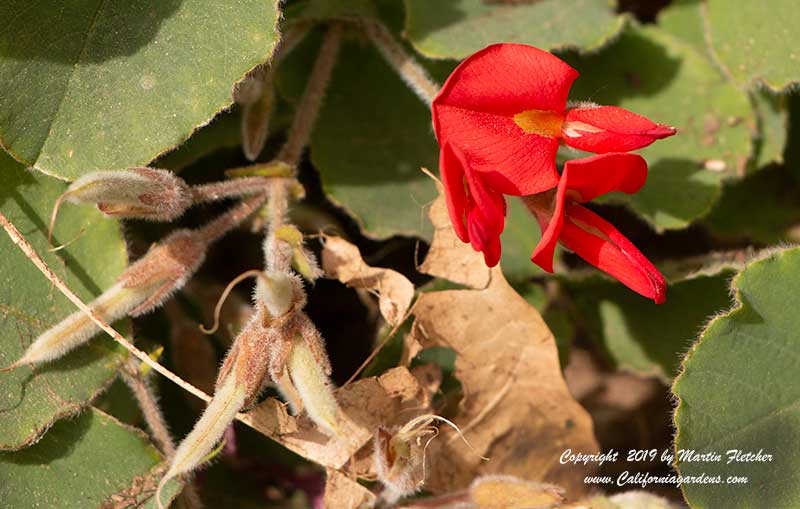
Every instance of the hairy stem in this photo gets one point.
(229, 189)
(212, 231)
(146, 398)
(415, 76)
(278, 253)
(308, 109)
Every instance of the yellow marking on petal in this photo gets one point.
(541, 122)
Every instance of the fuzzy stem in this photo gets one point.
(146, 398)
(415, 76)
(308, 109)
(229, 189)
(212, 231)
(278, 253)
(154, 418)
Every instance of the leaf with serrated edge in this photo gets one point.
(31, 401)
(105, 85)
(738, 390)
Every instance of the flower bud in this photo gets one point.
(143, 286)
(195, 448)
(313, 386)
(279, 291)
(145, 193)
(507, 492)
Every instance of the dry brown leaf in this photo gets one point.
(516, 407)
(343, 492)
(448, 257)
(386, 400)
(342, 260)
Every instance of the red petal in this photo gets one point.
(544, 251)
(593, 176)
(483, 238)
(490, 204)
(598, 242)
(588, 178)
(475, 110)
(452, 172)
(505, 79)
(611, 129)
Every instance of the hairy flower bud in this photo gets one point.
(312, 384)
(145, 193)
(143, 286)
(507, 492)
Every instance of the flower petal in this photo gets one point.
(593, 176)
(483, 238)
(598, 242)
(475, 110)
(505, 79)
(452, 172)
(610, 129)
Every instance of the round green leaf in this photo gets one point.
(89, 85)
(457, 28)
(738, 390)
(754, 40)
(30, 401)
(84, 462)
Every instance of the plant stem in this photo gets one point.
(146, 399)
(415, 76)
(278, 253)
(228, 189)
(211, 232)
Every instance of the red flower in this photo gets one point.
(593, 238)
(505, 109)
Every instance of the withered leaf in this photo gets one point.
(342, 260)
(345, 493)
(448, 257)
(516, 408)
(366, 404)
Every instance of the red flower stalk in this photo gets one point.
(590, 236)
(505, 109)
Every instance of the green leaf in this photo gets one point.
(656, 74)
(457, 28)
(222, 132)
(641, 336)
(738, 390)
(83, 462)
(755, 41)
(370, 140)
(102, 85)
(519, 238)
(31, 401)
(762, 207)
